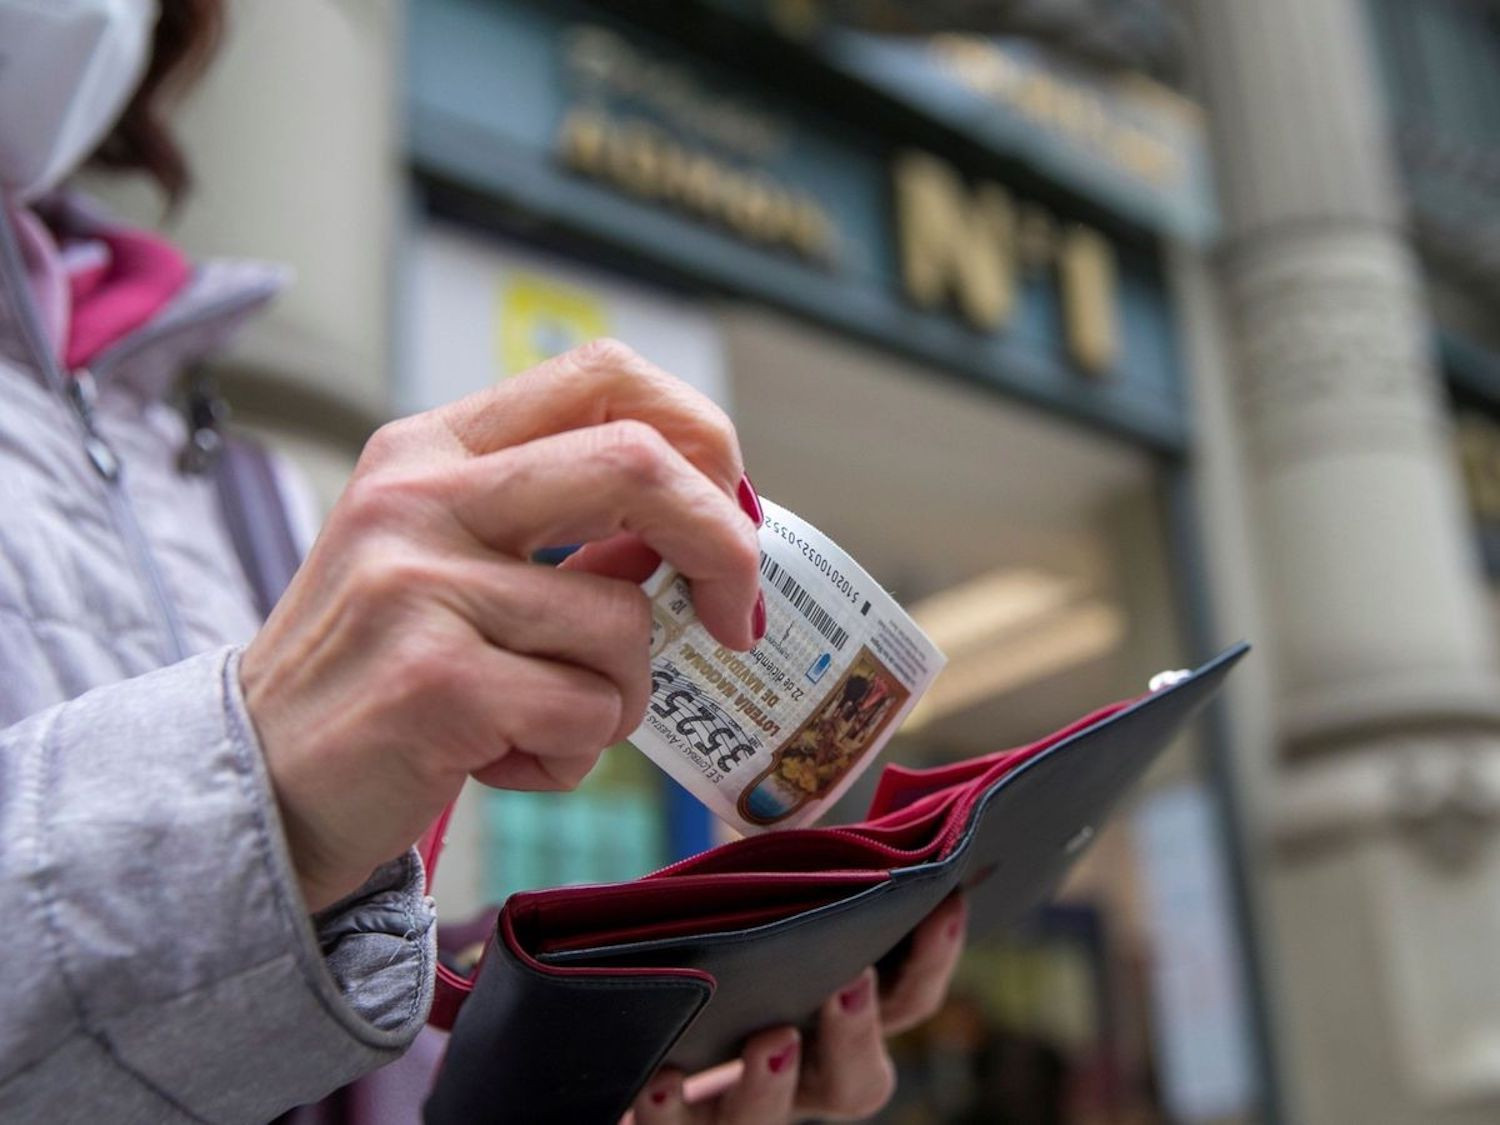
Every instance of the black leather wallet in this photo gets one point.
(584, 992)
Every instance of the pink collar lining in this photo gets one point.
(89, 309)
(140, 275)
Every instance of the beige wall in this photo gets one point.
(293, 138)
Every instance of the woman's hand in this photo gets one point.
(843, 1072)
(418, 645)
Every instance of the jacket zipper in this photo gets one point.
(80, 394)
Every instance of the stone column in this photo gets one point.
(1382, 864)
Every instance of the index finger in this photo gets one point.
(602, 381)
(592, 484)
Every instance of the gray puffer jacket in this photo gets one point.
(160, 965)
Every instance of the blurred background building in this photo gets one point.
(1103, 332)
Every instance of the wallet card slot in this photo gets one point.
(795, 850)
(684, 951)
(903, 786)
(584, 917)
(741, 919)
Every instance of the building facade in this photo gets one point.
(979, 312)
(1344, 306)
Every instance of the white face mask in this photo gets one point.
(67, 69)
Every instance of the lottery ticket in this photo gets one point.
(771, 737)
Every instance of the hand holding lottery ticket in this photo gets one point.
(771, 737)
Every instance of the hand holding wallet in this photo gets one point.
(584, 992)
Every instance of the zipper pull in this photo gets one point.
(207, 413)
(83, 394)
(1168, 679)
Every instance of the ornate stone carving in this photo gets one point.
(1329, 321)
(1439, 796)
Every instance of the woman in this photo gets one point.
(206, 824)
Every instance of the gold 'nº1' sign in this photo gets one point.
(970, 246)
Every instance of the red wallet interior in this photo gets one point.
(614, 914)
(917, 816)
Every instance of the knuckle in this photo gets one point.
(365, 579)
(379, 498)
(366, 501)
(386, 443)
(717, 430)
(569, 724)
(605, 355)
(878, 1093)
(744, 555)
(606, 709)
(570, 773)
(631, 716)
(421, 666)
(630, 612)
(384, 577)
(866, 1094)
(635, 451)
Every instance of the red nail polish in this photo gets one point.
(778, 1062)
(750, 501)
(758, 617)
(856, 996)
(658, 1097)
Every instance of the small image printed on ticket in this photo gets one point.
(771, 737)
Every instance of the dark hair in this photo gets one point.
(187, 35)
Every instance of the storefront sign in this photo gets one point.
(639, 158)
(648, 126)
(1105, 122)
(1126, 139)
(974, 245)
(557, 112)
(1121, 137)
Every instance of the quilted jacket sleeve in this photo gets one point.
(159, 960)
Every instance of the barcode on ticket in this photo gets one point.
(821, 620)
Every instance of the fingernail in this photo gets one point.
(658, 1097)
(758, 617)
(750, 501)
(856, 996)
(778, 1062)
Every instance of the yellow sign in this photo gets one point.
(540, 318)
(971, 246)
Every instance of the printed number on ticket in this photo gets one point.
(771, 737)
